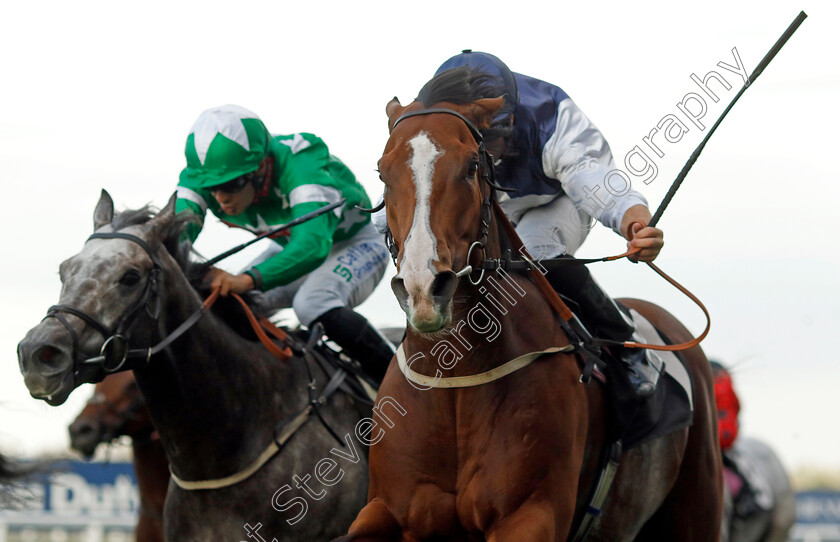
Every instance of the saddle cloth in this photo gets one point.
(669, 409)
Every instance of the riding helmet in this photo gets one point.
(225, 142)
(490, 65)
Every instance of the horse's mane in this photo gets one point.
(465, 85)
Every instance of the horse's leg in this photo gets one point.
(531, 522)
(692, 511)
(149, 529)
(375, 523)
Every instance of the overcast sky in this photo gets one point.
(102, 95)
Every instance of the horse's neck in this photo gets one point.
(211, 393)
(152, 469)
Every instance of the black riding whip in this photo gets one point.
(299, 220)
(760, 68)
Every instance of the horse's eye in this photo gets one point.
(130, 278)
(472, 170)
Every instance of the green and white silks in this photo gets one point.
(229, 141)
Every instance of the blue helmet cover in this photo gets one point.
(490, 65)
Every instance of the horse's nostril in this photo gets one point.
(82, 430)
(400, 291)
(45, 354)
(443, 286)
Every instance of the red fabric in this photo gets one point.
(728, 407)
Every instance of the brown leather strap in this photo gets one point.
(566, 314)
(541, 282)
(281, 353)
(214, 295)
(278, 333)
(686, 345)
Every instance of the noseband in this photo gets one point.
(114, 352)
(487, 173)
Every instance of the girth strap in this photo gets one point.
(602, 489)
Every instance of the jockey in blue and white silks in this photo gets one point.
(559, 152)
(564, 175)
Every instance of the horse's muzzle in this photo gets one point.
(85, 436)
(429, 306)
(47, 368)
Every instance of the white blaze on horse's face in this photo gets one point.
(417, 267)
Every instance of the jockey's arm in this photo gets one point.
(308, 247)
(580, 158)
(216, 278)
(634, 227)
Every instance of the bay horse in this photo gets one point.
(225, 408)
(484, 452)
(117, 409)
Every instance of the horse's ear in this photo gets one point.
(393, 110)
(161, 222)
(104, 212)
(484, 110)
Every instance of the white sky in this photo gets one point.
(102, 94)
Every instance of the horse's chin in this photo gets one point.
(431, 325)
(58, 394)
(57, 398)
(86, 449)
(426, 328)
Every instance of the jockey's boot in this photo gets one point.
(608, 321)
(359, 340)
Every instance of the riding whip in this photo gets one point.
(760, 68)
(274, 231)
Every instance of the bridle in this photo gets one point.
(486, 172)
(114, 352)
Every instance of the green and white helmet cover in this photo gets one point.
(224, 143)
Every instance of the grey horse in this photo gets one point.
(774, 495)
(218, 400)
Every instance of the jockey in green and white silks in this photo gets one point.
(322, 268)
